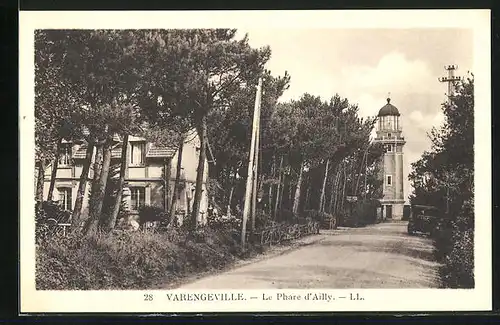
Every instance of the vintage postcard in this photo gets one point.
(255, 161)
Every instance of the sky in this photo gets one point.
(364, 65)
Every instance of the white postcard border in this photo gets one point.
(33, 301)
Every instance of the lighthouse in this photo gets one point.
(389, 134)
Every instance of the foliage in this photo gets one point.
(53, 103)
(52, 209)
(43, 212)
(151, 213)
(443, 177)
(364, 212)
(458, 271)
(131, 260)
(316, 215)
(225, 222)
(232, 124)
(215, 192)
(285, 216)
(161, 83)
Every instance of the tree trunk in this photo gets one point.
(229, 201)
(352, 172)
(330, 203)
(97, 164)
(290, 195)
(338, 192)
(200, 172)
(167, 170)
(359, 173)
(270, 198)
(333, 195)
(342, 198)
(111, 221)
(95, 213)
(296, 201)
(279, 190)
(77, 211)
(231, 194)
(227, 179)
(308, 197)
(282, 194)
(40, 180)
(97, 174)
(55, 164)
(177, 181)
(323, 189)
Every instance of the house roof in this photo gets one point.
(161, 151)
(116, 152)
(153, 150)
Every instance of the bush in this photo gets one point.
(150, 213)
(406, 213)
(263, 220)
(454, 247)
(364, 213)
(131, 260)
(137, 260)
(51, 209)
(316, 215)
(458, 271)
(225, 222)
(43, 212)
(286, 216)
(322, 217)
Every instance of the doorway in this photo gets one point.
(388, 211)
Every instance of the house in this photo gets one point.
(148, 167)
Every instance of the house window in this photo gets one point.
(389, 135)
(137, 152)
(65, 155)
(389, 180)
(137, 198)
(389, 148)
(65, 200)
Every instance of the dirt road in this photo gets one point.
(378, 256)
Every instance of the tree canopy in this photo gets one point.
(93, 84)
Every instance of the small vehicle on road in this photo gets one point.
(424, 219)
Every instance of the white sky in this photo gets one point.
(364, 65)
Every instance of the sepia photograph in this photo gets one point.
(255, 166)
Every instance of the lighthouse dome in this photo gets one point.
(388, 109)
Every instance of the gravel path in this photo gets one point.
(377, 256)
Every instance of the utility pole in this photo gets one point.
(255, 179)
(248, 189)
(450, 79)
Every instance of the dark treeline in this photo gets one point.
(444, 178)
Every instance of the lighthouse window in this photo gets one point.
(389, 180)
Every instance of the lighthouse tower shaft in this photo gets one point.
(389, 134)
